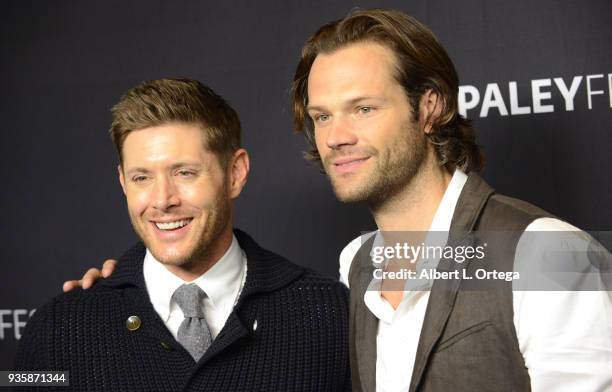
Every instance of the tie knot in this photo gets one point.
(189, 298)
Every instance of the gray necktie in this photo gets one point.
(193, 333)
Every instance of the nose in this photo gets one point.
(165, 194)
(341, 133)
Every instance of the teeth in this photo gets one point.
(172, 225)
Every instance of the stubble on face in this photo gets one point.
(217, 219)
(169, 177)
(396, 164)
(372, 155)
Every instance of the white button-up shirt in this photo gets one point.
(565, 336)
(222, 284)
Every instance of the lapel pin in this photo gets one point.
(255, 325)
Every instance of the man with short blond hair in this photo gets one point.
(196, 305)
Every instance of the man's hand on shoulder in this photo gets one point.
(91, 276)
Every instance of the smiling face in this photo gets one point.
(178, 195)
(369, 143)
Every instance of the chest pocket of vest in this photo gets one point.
(446, 343)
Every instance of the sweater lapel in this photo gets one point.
(266, 272)
(129, 278)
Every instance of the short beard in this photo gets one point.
(396, 169)
(396, 175)
(215, 224)
(205, 246)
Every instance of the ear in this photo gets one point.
(238, 168)
(121, 178)
(430, 108)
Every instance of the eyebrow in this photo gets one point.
(173, 167)
(350, 102)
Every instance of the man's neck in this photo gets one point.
(413, 208)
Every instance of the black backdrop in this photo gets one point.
(63, 64)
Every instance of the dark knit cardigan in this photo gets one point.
(287, 332)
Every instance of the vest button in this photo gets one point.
(133, 323)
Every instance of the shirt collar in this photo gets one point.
(219, 283)
(444, 214)
(438, 235)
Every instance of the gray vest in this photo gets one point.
(468, 341)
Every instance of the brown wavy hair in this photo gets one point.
(423, 65)
(183, 100)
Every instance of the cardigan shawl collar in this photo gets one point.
(266, 272)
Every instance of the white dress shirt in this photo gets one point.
(565, 336)
(222, 284)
